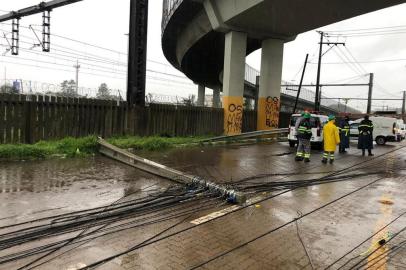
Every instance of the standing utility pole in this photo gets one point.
(301, 82)
(404, 103)
(137, 52)
(317, 100)
(77, 66)
(371, 85)
(318, 94)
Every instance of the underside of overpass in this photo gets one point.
(208, 41)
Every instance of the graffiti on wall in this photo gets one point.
(272, 108)
(234, 119)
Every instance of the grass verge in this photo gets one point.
(80, 147)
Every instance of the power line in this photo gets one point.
(88, 44)
(365, 29)
(66, 65)
(346, 79)
(363, 62)
(58, 69)
(74, 59)
(362, 98)
(348, 60)
(356, 61)
(371, 34)
(346, 63)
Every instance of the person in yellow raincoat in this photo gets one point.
(331, 139)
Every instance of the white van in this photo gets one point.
(403, 131)
(384, 129)
(398, 130)
(317, 122)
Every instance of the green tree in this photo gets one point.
(189, 101)
(103, 92)
(68, 88)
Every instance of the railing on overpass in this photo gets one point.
(305, 94)
(169, 6)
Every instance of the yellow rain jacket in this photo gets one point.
(331, 137)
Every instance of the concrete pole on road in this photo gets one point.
(233, 81)
(270, 84)
(201, 95)
(404, 104)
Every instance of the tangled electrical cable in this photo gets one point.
(173, 203)
(177, 202)
(371, 162)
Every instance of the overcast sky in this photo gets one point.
(105, 23)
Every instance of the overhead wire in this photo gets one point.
(85, 56)
(365, 29)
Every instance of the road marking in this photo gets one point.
(225, 211)
(215, 215)
(76, 266)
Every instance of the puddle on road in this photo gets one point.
(40, 188)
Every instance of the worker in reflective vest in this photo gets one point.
(304, 134)
(365, 138)
(344, 129)
(331, 139)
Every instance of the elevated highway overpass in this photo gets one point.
(208, 41)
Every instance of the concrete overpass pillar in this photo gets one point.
(233, 81)
(216, 98)
(201, 95)
(270, 84)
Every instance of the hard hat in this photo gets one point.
(306, 115)
(331, 117)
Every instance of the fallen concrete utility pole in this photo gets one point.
(168, 173)
(248, 135)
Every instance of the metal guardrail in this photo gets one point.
(247, 135)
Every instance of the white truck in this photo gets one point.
(384, 129)
(317, 122)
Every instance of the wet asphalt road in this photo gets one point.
(305, 228)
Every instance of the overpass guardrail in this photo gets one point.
(247, 135)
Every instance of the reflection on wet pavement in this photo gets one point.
(37, 189)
